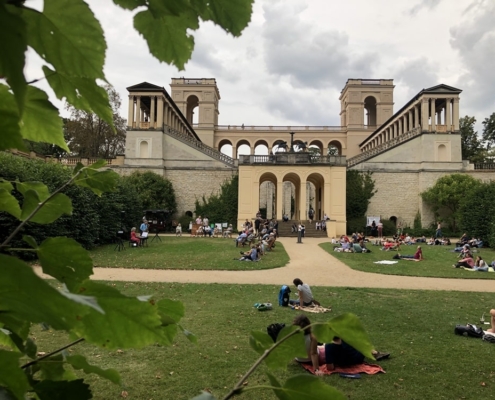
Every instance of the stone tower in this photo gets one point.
(198, 96)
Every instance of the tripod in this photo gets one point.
(156, 236)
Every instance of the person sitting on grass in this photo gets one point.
(466, 262)
(418, 256)
(492, 323)
(304, 293)
(336, 354)
(251, 255)
(479, 265)
(134, 238)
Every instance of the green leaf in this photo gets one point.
(52, 368)
(83, 93)
(66, 260)
(12, 376)
(170, 311)
(130, 4)
(232, 15)
(31, 348)
(127, 322)
(40, 120)
(79, 362)
(167, 36)
(30, 241)
(40, 188)
(285, 351)
(6, 340)
(53, 209)
(9, 203)
(63, 390)
(205, 396)
(305, 387)
(98, 164)
(11, 137)
(98, 181)
(349, 328)
(164, 8)
(14, 46)
(27, 297)
(189, 335)
(69, 37)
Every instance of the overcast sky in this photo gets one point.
(295, 56)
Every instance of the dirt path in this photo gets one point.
(308, 262)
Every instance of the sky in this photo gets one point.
(294, 58)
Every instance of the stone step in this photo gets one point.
(285, 229)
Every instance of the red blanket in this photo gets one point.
(370, 369)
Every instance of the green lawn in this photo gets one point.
(428, 361)
(437, 263)
(186, 253)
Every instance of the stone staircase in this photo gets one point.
(284, 229)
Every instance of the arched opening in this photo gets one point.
(394, 220)
(291, 196)
(261, 148)
(370, 111)
(244, 150)
(143, 149)
(280, 146)
(225, 147)
(315, 195)
(268, 195)
(192, 104)
(334, 148)
(189, 213)
(442, 153)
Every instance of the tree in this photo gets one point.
(471, 145)
(489, 131)
(360, 188)
(90, 136)
(447, 194)
(153, 190)
(222, 207)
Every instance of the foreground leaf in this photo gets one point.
(12, 58)
(63, 390)
(11, 137)
(52, 368)
(9, 203)
(98, 181)
(170, 311)
(349, 328)
(52, 210)
(65, 260)
(167, 37)
(79, 362)
(127, 322)
(28, 297)
(204, 396)
(12, 376)
(40, 120)
(68, 36)
(232, 15)
(305, 387)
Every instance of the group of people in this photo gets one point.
(468, 262)
(204, 229)
(261, 237)
(355, 244)
(137, 238)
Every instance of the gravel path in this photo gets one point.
(308, 262)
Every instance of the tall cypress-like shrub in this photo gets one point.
(221, 207)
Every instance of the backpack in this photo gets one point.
(284, 296)
(469, 330)
(274, 329)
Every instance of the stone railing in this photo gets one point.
(484, 166)
(278, 128)
(384, 147)
(292, 159)
(193, 142)
(70, 161)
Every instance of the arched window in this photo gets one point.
(192, 104)
(143, 149)
(370, 111)
(189, 213)
(442, 153)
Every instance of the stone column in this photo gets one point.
(448, 115)
(455, 114)
(394, 130)
(280, 198)
(152, 112)
(439, 117)
(138, 111)
(424, 115)
(416, 116)
(302, 202)
(432, 113)
(159, 111)
(410, 126)
(234, 152)
(251, 151)
(130, 113)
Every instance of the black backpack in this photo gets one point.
(284, 296)
(469, 330)
(274, 329)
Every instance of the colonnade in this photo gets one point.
(429, 114)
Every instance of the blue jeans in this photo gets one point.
(438, 233)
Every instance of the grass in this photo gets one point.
(437, 263)
(187, 253)
(428, 361)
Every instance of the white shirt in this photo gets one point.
(306, 294)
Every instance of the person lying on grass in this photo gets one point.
(336, 354)
(418, 256)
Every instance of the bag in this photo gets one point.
(274, 329)
(489, 337)
(284, 296)
(469, 330)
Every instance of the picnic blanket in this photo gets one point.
(386, 262)
(314, 309)
(369, 369)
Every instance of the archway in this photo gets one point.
(243, 147)
(261, 148)
(291, 195)
(316, 195)
(370, 111)
(192, 104)
(143, 149)
(334, 148)
(225, 147)
(267, 196)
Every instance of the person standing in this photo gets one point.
(438, 233)
(311, 214)
(380, 229)
(144, 226)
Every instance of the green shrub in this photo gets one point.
(360, 188)
(153, 190)
(222, 207)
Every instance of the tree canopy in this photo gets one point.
(153, 190)
(359, 191)
(471, 146)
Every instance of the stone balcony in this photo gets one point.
(293, 159)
